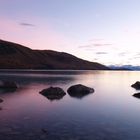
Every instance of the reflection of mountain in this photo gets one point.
(23, 79)
(15, 56)
(7, 90)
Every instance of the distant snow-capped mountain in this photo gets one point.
(124, 67)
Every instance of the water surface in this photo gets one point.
(110, 113)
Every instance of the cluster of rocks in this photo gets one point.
(53, 93)
(136, 85)
(56, 93)
(76, 91)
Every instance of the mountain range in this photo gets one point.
(124, 67)
(16, 56)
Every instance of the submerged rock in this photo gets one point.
(53, 93)
(79, 91)
(1, 100)
(7, 85)
(44, 130)
(137, 95)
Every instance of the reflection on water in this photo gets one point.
(137, 95)
(79, 95)
(8, 90)
(110, 113)
(53, 98)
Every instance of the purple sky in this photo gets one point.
(106, 31)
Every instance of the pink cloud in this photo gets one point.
(101, 44)
(95, 45)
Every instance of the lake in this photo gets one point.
(110, 113)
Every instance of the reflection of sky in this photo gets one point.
(111, 109)
(106, 31)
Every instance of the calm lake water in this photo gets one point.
(110, 113)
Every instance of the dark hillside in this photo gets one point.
(15, 56)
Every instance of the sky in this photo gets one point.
(104, 31)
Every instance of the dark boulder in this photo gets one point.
(53, 93)
(137, 95)
(79, 91)
(1, 100)
(136, 85)
(7, 85)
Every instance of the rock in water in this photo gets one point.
(79, 90)
(137, 95)
(53, 93)
(8, 85)
(136, 85)
(1, 100)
